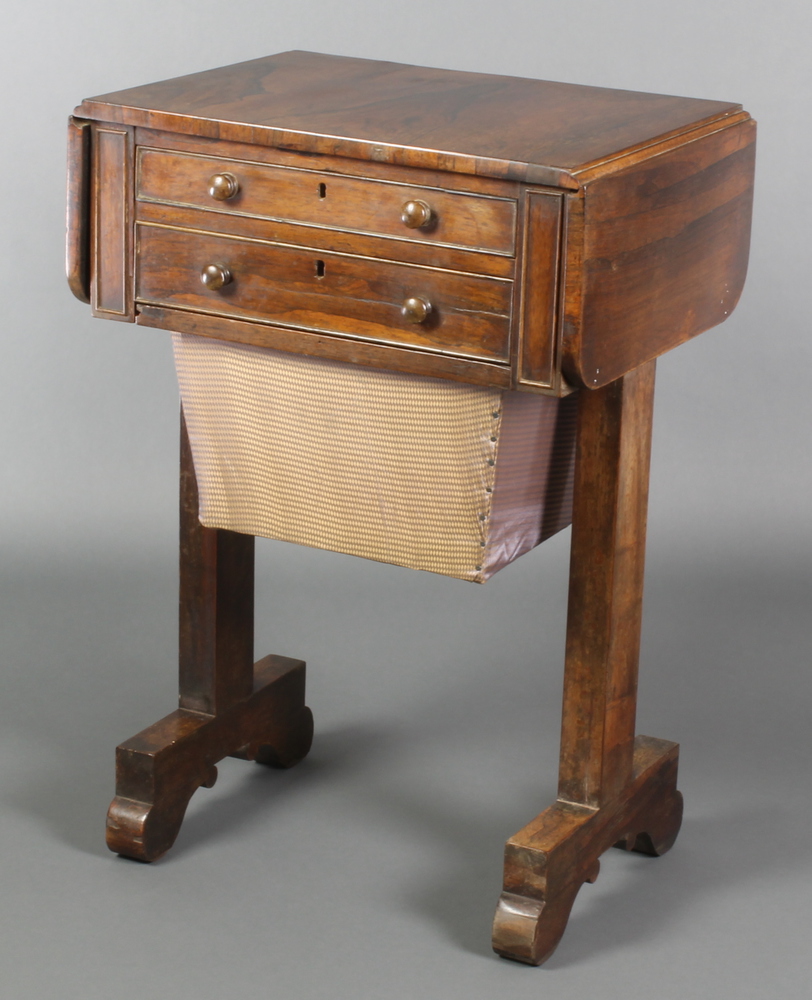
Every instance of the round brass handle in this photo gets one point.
(214, 276)
(416, 214)
(416, 310)
(223, 186)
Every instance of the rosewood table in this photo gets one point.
(541, 241)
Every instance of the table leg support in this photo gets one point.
(159, 770)
(613, 789)
(548, 861)
(229, 706)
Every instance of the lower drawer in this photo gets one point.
(440, 311)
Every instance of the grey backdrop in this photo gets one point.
(372, 869)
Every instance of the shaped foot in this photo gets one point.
(145, 830)
(159, 770)
(548, 861)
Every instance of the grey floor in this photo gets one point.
(371, 870)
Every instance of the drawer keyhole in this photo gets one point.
(319, 268)
(322, 190)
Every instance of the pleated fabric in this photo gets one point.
(398, 468)
(534, 475)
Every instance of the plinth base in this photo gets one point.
(159, 770)
(548, 861)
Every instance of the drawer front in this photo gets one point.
(327, 200)
(342, 294)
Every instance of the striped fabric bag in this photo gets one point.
(420, 472)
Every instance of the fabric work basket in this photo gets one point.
(419, 472)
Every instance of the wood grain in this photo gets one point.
(228, 706)
(654, 238)
(319, 345)
(112, 257)
(344, 165)
(499, 126)
(548, 861)
(326, 292)
(664, 256)
(328, 200)
(338, 240)
(579, 233)
(159, 769)
(613, 788)
(538, 327)
(216, 606)
(606, 588)
(77, 243)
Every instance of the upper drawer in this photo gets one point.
(327, 200)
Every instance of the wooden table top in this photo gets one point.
(474, 123)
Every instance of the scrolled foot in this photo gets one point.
(548, 861)
(529, 930)
(654, 834)
(160, 769)
(143, 831)
(286, 748)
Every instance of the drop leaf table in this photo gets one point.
(434, 294)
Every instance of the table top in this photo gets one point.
(529, 130)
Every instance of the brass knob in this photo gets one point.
(416, 310)
(223, 186)
(214, 276)
(416, 214)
